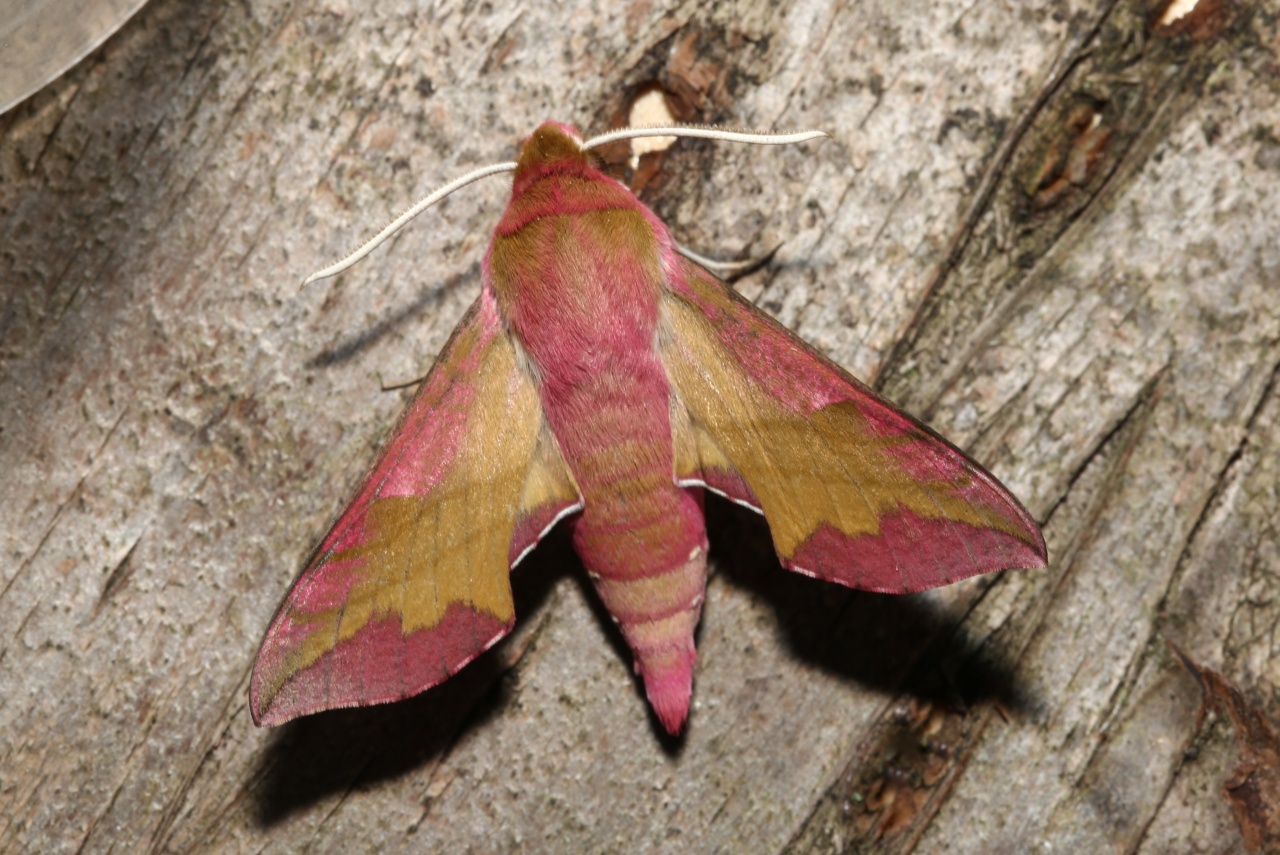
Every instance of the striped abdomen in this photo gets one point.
(640, 537)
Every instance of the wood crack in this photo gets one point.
(1138, 410)
(1074, 51)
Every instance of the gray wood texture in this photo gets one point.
(1049, 228)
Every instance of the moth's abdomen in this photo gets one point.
(640, 537)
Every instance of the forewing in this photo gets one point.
(413, 581)
(854, 490)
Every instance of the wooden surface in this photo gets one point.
(1048, 228)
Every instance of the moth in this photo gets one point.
(603, 381)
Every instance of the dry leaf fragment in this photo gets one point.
(1253, 789)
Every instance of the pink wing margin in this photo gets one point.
(412, 581)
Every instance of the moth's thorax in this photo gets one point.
(575, 261)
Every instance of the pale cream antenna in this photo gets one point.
(706, 132)
(400, 221)
(696, 131)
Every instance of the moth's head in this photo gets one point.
(552, 142)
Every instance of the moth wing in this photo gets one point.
(854, 490)
(413, 580)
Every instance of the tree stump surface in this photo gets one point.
(1047, 228)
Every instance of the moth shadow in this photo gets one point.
(354, 345)
(894, 643)
(318, 756)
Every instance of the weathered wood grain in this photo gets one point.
(1047, 227)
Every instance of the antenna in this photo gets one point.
(698, 131)
(400, 221)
